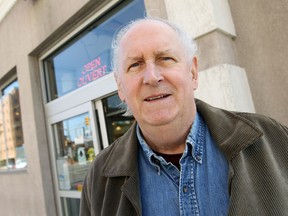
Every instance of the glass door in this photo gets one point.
(74, 150)
(76, 142)
(112, 122)
(77, 136)
(116, 123)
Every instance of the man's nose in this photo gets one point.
(152, 74)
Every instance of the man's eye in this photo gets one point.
(134, 65)
(166, 58)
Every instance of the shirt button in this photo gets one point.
(185, 189)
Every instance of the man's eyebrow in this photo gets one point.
(164, 52)
(133, 58)
(155, 53)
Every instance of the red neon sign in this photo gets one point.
(91, 71)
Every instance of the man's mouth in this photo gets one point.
(157, 97)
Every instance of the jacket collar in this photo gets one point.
(230, 131)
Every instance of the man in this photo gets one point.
(182, 156)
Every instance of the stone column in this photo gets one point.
(221, 82)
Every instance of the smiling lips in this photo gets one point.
(157, 97)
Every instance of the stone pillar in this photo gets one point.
(221, 82)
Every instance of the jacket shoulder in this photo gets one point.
(261, 169)
(265, 123)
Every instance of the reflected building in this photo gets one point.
(11, 136)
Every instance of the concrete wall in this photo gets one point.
(262, 49)
(26, 26)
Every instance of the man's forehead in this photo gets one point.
(149, 38)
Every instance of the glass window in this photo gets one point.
(12, 155)
(74, 151)
(87, 57)
(70, 206)
(116, 123)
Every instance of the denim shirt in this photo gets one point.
(199, 188)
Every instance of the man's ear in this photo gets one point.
(119, 86)
(194, 71)
(120, 94)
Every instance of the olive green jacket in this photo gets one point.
(257, 150)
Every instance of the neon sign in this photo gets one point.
(91, 71)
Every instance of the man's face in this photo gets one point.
(155, 78)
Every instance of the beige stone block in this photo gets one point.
(201, 17)
(225, 86)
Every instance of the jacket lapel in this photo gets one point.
(123, 162)
(131, 190)
(230, 131)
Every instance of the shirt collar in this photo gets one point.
(194, 143)
(195, 140)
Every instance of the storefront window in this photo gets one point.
(74, 151)
(116, 123)
(87, 57)
(12, 155)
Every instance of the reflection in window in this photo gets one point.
(12, 155)
(74, 151)
(70, 206)
(116, 123)
(87, 57)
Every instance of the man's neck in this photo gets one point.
(167, 139)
